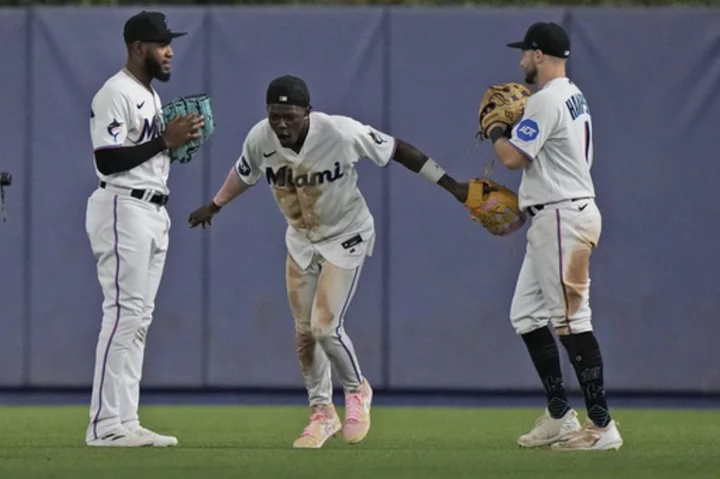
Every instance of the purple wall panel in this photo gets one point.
(433, 303)
(339, 55)
(451, 282)
(656, 273)
(13, 82)
(66, 312)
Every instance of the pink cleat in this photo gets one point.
(357, 413)
(324, 424)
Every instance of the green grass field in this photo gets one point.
(254, 442)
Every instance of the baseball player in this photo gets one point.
(307, 159)
(553, 144)
(127, 224)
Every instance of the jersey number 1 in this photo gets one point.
(587, 141)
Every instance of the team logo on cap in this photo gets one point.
(283, 98)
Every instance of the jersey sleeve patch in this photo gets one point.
(528, 130)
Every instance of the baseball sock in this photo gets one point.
(585, 356)
(544, 354)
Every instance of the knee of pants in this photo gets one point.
(323, 325)
(564, 327)
(123, 331)
(305, 347)
(527, 324)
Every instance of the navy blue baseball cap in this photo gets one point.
(550, 38)
(149, 27)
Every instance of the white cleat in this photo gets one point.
(158, 440)
(548, 430)
(592, 438)
(120, 437)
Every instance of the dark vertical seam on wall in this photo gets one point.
(27, 197)
(386, 200)
(205, 246)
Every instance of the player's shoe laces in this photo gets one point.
(120, 437)
(357, 413)
(324, 424)
(158, 440)
(548, 430)
(592, 438)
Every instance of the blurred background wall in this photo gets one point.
(431, 311)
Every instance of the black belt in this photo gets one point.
(537, 208)
(157, 199)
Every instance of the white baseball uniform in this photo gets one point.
(555, 134)
(129, 239)
(330, 232)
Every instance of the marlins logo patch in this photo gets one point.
(114, 128)
(243, 166)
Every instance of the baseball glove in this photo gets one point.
(199, 104)
(494, 206)
(502, 103)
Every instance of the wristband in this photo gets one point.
(431, 171)
(497, 133)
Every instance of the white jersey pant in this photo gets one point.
(319, 298)
(554, 281)
(129, 239)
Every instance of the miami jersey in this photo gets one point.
(126, 113)
(555, 134)
(316, 190)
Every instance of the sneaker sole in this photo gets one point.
(612, 446)
(546, 442)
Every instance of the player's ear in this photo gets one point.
(134, 48)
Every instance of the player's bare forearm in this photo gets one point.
(231, 189)
(509, 155)
(418, 162)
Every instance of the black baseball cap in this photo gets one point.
(550, 38)
(288, 90)
(149, 27)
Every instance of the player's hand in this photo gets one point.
(203, 215)
(183, 129)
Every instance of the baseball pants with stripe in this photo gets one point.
(129, 240)
(319, 298)
(554, 281)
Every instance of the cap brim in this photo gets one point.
(177, 34)
(520, 45)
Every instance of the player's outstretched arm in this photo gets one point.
(418, 162)
(231, 189)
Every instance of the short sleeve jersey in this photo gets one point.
(316, 189)
(555, 134)
(124, 113)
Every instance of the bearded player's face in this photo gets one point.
(158, 60)
(529, 66)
